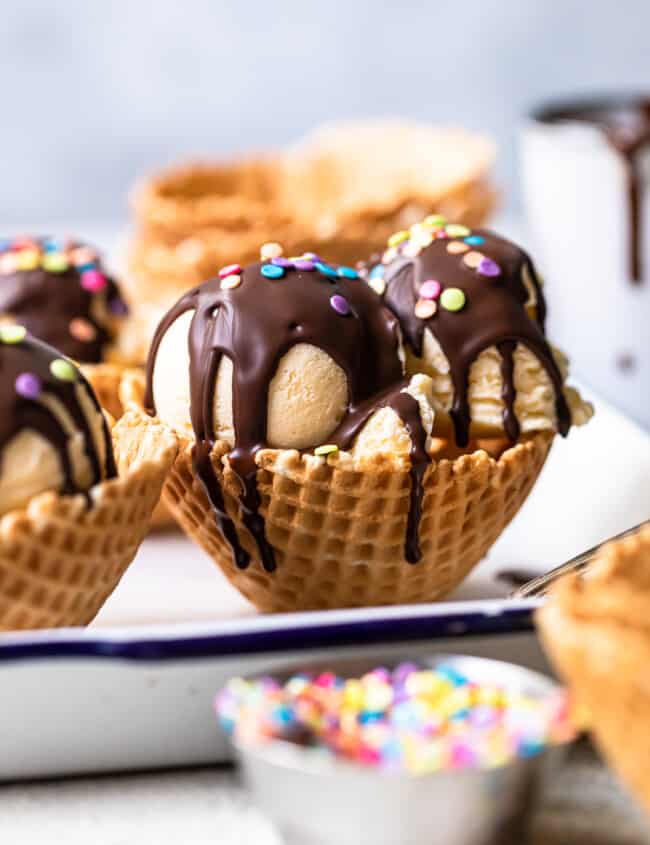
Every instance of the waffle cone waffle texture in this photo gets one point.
(107, 380)
(328, 194)
(62, 556)
(596, 630)
(338, 529)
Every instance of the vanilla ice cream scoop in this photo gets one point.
(59, 290)
(53, 435)
(472, 312)
(286, 353)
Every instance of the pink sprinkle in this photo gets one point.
(430, 289)
(93, 281)
(230, 270)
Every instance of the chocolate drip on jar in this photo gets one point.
(255, 323)
(496, 282)
(625, 124)
(27, 381)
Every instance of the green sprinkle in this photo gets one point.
(328, 449)
(435, 220)
(12, 334)
(55, 262)
(63, 370)
(452, 299)
(456, 230)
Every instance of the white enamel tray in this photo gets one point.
(135, 689)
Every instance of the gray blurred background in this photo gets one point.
(97, 93)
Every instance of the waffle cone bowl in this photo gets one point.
(108, 381)
(338, 529)
(596, 630)
(326, 194)
(62, 556)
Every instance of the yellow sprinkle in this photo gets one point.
(231, 282)
(457, 230)
(55, 262)
(425, 308)
(12, 334)
(435, 220)
(28, 259)
(398, 238)
(327, 449)
(63, 370)
(457, 247)
(270, 250)
(473, 258)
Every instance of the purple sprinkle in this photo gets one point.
(303, 264)
(118, 307)
(340, 304)
(311, 256)
(28, 386)
(281, 262)
(487, 267)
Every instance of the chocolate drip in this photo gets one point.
(255, 324)
(625, 123)
(19, 412)
(508, 392)
(495, 314)
(46, 303)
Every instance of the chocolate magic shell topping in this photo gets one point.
(625, 124)
(33, 377)
(60, 292)
(254, 315)
(471, 289)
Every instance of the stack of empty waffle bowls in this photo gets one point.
(411, 481)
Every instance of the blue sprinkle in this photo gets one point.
(378, 272)
(326, 270)
(348, 273)
(368, 717)
(272, 271)
(452, 675)
(460, 715)
(475, 240)
(530, 748)
(52, 245)
(82, 268)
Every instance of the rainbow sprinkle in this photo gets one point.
(412, 719)
(409, 243)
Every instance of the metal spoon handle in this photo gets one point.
(539, 586)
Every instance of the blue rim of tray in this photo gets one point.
(414, 625)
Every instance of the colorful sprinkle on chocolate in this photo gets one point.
(457, 230)
(347, 273)
(435, 220)
(326, 270)
(93, 281)
(270, 250)
(231, 282)
(28, 385)
(430, 289)
(272, 271)
(304, 264)
(340, 304)
(452, 299)
(425, 309)
(229, 270)
(327, 449)
(55, 262)
(473, 259)
(63, 370)
(475, 240)
(83, 330)
(487, 267)
(12, 334)
(457, 247)
(398, 238)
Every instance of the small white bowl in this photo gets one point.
(318, 800)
